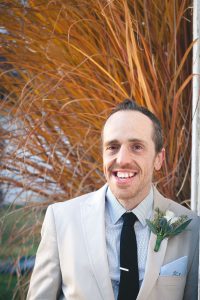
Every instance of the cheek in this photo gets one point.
(148, 167)
(107, 162)
(104, 168)
(105, 171)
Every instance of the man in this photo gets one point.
(80, 256)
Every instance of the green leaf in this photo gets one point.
(151, 226)
(165, 226)
(158, 243)
(180, 228)
(163, 222)
(168, 231)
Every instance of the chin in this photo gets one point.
(122, 194)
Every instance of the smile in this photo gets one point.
(124, 175)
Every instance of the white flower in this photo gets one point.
(169, 215)
(162, 228)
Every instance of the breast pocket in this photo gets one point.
(169, 287)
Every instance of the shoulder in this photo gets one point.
(179, 209)
(62, 214)
(75, 203)
(168, 204)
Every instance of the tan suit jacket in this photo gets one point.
(71, 261)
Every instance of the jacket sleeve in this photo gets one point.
(45, 283)
(191, 288)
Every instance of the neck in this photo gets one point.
(131, 203)
(128, 204)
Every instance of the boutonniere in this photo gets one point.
(166, 224)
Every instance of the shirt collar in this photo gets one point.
(143, 211)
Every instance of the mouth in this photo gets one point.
(123, 175)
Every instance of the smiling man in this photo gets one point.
(98, 246)
(131, 152)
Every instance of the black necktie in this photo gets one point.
(129, 275)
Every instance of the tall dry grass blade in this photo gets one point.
(64, 65)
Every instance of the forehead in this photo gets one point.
(125, 125)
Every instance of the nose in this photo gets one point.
(123, 156)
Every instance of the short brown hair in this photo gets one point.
(130, 104)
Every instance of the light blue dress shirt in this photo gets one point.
(113, 225)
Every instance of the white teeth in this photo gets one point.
(125, 175)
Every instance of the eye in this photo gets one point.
(112, 148)
(137, 147)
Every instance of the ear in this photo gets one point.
(160, 156)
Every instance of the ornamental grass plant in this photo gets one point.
(64, 65)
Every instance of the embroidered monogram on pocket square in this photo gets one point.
(177, 267)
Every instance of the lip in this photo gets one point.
(124, 170)
(126, 180)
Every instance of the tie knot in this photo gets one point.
(129, 218)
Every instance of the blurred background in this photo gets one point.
(64, 65)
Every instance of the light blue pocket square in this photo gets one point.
(177, 267)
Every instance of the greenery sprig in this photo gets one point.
(166, 224)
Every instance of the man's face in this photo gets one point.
(129, 156)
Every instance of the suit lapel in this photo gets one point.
(154, 259)
(153, 265)
(93, 222)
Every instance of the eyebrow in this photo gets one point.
(129, 140)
